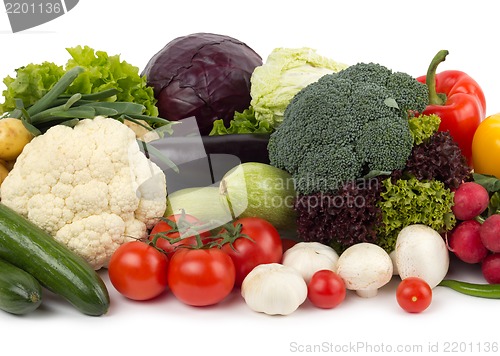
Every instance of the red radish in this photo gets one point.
(465, 242)
(490, 233)
(470, 200)
(491, 268)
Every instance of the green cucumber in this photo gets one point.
(55, 266)
(20, 292)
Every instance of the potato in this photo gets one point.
(3, 173)
(13, 137)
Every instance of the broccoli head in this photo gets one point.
(410, 94)
(345, 125)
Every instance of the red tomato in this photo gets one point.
(414, 295)
(138, 270)
(287, 243)
(326, 289)
(265, 246)
(170, 228)
(201, 277)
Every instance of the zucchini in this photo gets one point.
(20, 292)
(55, 266)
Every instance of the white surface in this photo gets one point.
(401, 35)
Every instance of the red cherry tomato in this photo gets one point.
(138, 270)
(414, 295)
(326, 289)
(259, 242)
(201, 277)
(168, 231)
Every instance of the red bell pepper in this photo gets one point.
(458, 100)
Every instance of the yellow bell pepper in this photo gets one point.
(486, 147)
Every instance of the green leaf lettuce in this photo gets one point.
(102, 72)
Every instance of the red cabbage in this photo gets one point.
(202, 75)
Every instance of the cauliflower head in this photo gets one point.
(89, 186)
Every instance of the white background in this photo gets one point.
(403, 36)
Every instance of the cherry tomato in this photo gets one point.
(486, 147)
(414, 295)
(201, 277)
(138, 270)
(326, 289)
(258, 242)
(169, 229)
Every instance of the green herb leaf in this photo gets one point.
(494, 204)
(489, 182)
(391, 102)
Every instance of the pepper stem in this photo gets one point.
(430, 79)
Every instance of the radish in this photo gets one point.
(491, 268)
(470, 200)
(490, 233)
(465, 242)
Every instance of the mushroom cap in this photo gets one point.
(365, 267)
(422, 252)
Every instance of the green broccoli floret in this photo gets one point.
(385, 144)
(343, 126)
(409, 94)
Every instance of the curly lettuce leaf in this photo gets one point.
(243, 123)
(31, 83)
(422, 127)
(106, 72)
(101, 72)
(407, 202)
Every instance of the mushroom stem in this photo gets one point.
(367, 293)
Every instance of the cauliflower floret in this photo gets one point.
(89, 186)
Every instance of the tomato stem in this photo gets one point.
(184, 227)
(229, 234)
(430, 79)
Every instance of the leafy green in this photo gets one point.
(494, 204)
(101, 72)
(489, 182)
(492, 185)
(274, 84)
(31, 83)
(422, 127)
(243, 122)
(285, 72)
(411, 201)
(107, 72)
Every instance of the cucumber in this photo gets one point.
(20, 292)
(55, 266)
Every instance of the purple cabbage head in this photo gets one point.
(202, 75)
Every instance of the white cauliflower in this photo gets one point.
(89, 186)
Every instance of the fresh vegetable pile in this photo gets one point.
(349, 176)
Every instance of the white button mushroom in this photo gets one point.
(274, 289)
(310, 257)
(365, 267)
(422, 252)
